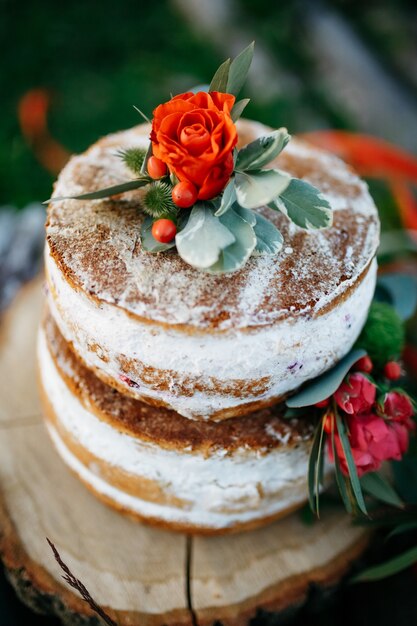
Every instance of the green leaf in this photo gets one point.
(315, 466)
(238, 108)
(239, 69)
(203, 238)
(107, 192)
(235, 256)
(399, 290)
(353, 474)
(262, 151)
(144, 168)
(227, 199)
(325, 385)
(247, 214)
(149, 243)
(268, 238)
(260, 187)
(389, 568)
(220, 78)
(378, 487)
(342, 483)
(402, 528)
(305, 205)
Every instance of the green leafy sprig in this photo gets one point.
(219, 235)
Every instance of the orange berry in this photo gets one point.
(164, 230)
(328, 424)
(184, 194)
(392, 370)
(156, 168)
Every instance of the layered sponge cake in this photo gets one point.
(206, 346)
(164, 386)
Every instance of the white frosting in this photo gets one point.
(285, 354)
(221, 490)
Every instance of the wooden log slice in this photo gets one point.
(140, 575)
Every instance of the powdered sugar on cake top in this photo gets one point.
(97, 245)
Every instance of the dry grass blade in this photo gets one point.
(76, 584)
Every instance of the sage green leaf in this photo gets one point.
(239, 69)
(149, 243)
(247, 214)
(259, 187)
(262, 151)
(399, 290)
(315, 466)
(107, 192)
(325, 385)
(220, 78)
(227, 199)
(305, 205)
(353, 474)
(202, 87)
(238, 108)
(377, 486)
(235, 255)
(268, 238)
(203, 238)
(389, 568)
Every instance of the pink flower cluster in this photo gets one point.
(376, 433)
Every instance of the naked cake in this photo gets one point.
(187, 303)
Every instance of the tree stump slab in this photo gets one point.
(141, 576)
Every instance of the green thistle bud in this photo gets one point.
(158, 201)
(133, 158)
(383, 334)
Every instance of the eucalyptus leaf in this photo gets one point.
(239, 69)
(400, 290)
(107, 192)
(203, 238)
(227, 199)
(389, 568)
(260, 187)
(305, 205)
(262, 151)
(353, 474)
(238, 108)
(325, 385)
(197, 88)
(402, 528)
(268, 238)
(378, 487)
(220, 78)
(149, 243)
(235, 255)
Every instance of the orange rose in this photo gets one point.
(195, 136)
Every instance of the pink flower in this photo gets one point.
(356, 394)
(372, 440)
(398, 407)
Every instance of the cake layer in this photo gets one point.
(209, 347)
(164, 468)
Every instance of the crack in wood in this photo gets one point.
(188, 582)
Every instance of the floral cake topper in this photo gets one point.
(202, 191)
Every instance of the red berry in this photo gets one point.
(323, 403)
(156, 168)
(328, 424)
(392, 370)
(364, 365)
(164, 230)
(184, 194)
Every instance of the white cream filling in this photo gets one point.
(286, 353)
(248, 483)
